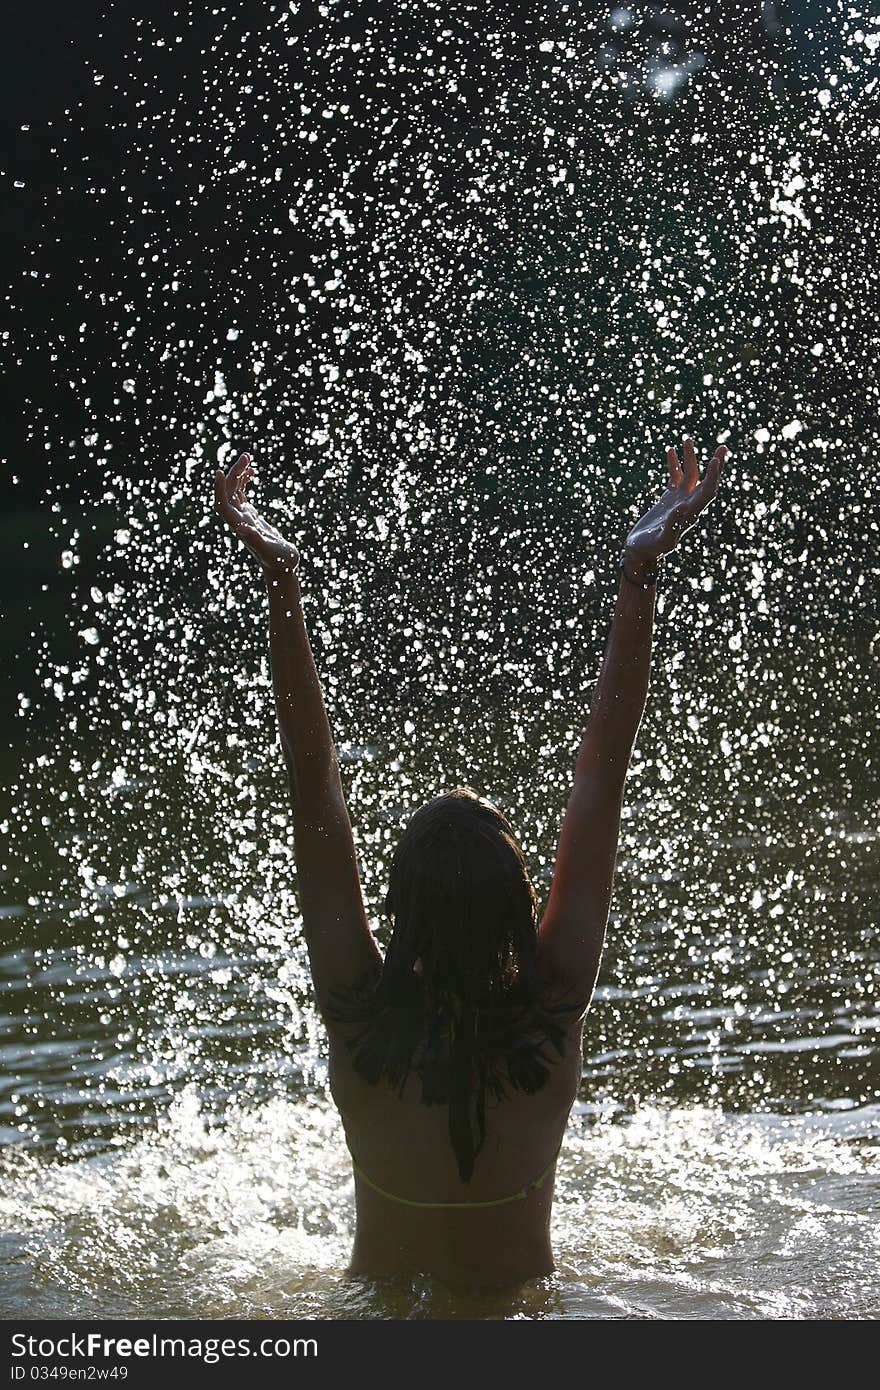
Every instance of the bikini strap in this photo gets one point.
(534, 1185)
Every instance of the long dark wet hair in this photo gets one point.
(459, 1000)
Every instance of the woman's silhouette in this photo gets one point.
(455, 1061)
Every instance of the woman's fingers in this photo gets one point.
(243, 472)
(234, 476)
(707, 488)
(229, 487)
(691, 471)
(710, 482)
(241, 483)
(241, 463)
(222, 501)
(674, 468)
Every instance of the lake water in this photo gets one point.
(170, 1149)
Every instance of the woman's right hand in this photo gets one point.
(687, 495)
(274, 553)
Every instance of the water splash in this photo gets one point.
(675, 1213)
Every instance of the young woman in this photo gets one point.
(455, 1061)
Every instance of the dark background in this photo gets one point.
(105, 194)
(82, 137)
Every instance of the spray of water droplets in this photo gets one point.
(456, 282)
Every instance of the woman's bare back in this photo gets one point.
(402, 1146)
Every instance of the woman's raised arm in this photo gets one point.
(342, 950)
(572, 930)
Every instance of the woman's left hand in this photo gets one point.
(661, 528)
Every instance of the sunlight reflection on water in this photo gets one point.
(671, 1212)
